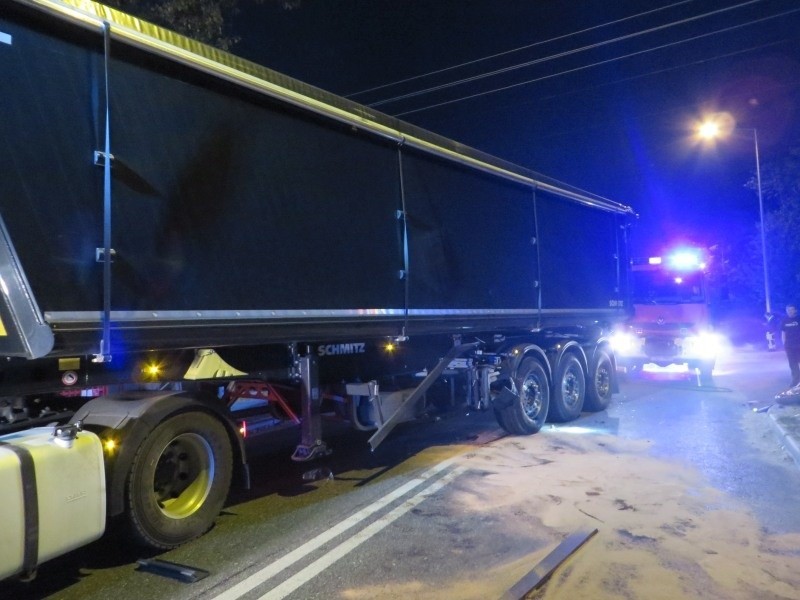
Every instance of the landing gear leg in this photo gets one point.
(311, 445)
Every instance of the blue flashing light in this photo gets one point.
(685, 260)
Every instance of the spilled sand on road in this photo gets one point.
(663, 532)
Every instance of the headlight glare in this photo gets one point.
(704, 345)
(624, 343)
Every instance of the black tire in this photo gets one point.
(569, 390)
(179, 480)
(528, 413)
(600, 383)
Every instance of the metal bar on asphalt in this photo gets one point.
(172, 570)
(542, 571)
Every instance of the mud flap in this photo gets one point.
(504, 399)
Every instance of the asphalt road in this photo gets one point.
(452, 507)
(715, 430)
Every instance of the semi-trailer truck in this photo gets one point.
(195, 248)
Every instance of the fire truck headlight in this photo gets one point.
(624, 343)
(704, 345)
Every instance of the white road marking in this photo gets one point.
(319, 565)
(258, 578)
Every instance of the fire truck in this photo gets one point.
(671, 319)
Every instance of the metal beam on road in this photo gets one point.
(542, 571)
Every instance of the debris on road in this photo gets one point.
(542, 571)
(172, 570)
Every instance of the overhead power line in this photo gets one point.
(682, 108)
(506, 52)
(664, 70)
(595, 64)
(561, 54)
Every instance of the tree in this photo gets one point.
(743, 271)
(780, 186)
(207, 21)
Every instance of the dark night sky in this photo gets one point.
(619, 129)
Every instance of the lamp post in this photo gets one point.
(761, 217)
(710, 130)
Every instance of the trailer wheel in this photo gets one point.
(598, 394)
(569, 390)
(179, 480)
(528, 412)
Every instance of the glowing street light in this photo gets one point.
(714, 128)
(709, 130)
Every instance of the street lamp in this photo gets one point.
(712, 129)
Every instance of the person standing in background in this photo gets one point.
(790, 336)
